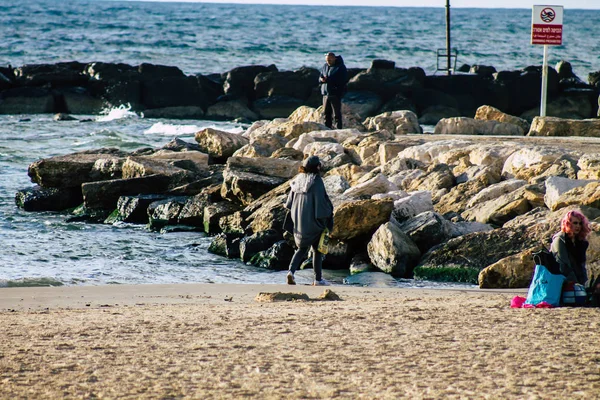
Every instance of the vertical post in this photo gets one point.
(544, 83)
(448, 51)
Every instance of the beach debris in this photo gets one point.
(264, 297)
(329, 295)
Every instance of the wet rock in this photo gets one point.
(230, 110)
(165, 212)
(360, 263)
(297, 83)
(175, 91)
(214, 212)
(371, 279)
(63, 117)
(434, 114)
(364, 104)
(360, 218)
(226, 245)
(175, 112)
(54, 75)
(26, 100)
(240, 80)
(134, 209)
(276, 106)
(235, 223)
(392, 251)
(251, 245)
(276, 257)
(105, 194)
(219, 145)
(38, 198)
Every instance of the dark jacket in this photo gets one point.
(310, 208)
(570, 257)
(337, 78)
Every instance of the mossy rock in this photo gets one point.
(447, 274)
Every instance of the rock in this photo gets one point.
(552, 126)
(251, 245)
(399, 122)
(79, 101)
(429, 153)
(325, 151)
(39, 198)
(297, 83)
(175, 112)
(360, 263)
(392, 251)
(378, 184)
(219, 145)
(399, 102)
(192, 213)
(287, 153)
(462, 228)
(59, 74)
(165, 212)
(574, 105)
(105, 194)
(495, 190)
(470, 126)
(458, 197)
(268, 211)
(489, 113)
(433, 114)
(235, 223)
(382, 64)
(276, 106)
(530, 162)
(394, 195)
(386, 82)
(389, 150)
(276, 257)
(175, 91)
(70, 170)
(226, 245)
(510, 272)
(427, 229)
(483, 70)
(63, 117)
(269, 166)
(214, 212)
(293, 130)
(588, 195)
(360, 218)
(437, 176)
(136, 167)
(556, 186)
(589, 166)
(230, 110)
(261, 146)
(240, 81)
(352, 173)
(335, 185)
(415, 204)
(364, 104)
(134, 209)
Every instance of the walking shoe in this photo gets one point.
(290, 279)
(322, 282)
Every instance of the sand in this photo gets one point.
(217, 341)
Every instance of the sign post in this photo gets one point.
(546, 30)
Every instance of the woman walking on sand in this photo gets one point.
(570, 245)
(311, 212)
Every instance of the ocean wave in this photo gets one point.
(160, 128)
(121, 112)
(30, 282)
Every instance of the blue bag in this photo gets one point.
(545, 286)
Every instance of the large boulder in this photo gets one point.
(552, 126)
(489, 113)
(574, 105)
(589, 166)
(213, 214)
(530, 162)
(470, 126)
(174, 91)
(360, 218)
(415, 204)
(226, 245)
(364, 104)
(230, 109)
(276, 257)
(510, 272)
(392, 251)
(134, 209)
(71, 170)
(39, 198)
(437, 176)
(27, 100)
(588, 195)
(246, 179)
(297, 83)
(192, 213)
(399, 122)
(378, 184)
(251, 245)
(556, 186)
(239, 82)
(277, 106)
(458, 197)
(105, 194)
(165, 212)
(427, 229)
(218, 144)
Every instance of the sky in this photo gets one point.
(572, 4)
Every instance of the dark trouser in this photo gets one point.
(317, 259)
(333, 105)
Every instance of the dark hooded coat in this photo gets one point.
(337, 78)
(310, 208)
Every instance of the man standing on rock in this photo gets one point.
(333, 81)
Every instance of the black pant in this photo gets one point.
(333, 105)
(317, 259)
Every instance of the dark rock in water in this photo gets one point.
(174, 92)
(239, 82)
(83, 214)
(63, 117)
(5, 81)
(464, 68)
(78, 100)
(364, 104)
(73, 169)
(594, 79)
(383, 64)
(360, 263)
(565, 70)
(101, 71)
(214, 212)
(152, 71)
(524, 89)
(56, 75)
(165, 212)
(432, 115)
(38, 198)
(276, 257)
(178, 112)
(134, 209)
(26, 100)
(225, 244)
(192, 212)
(124, 93)
(399, 102)
(297, 83)
(276, 106)
(231, 109)
(251, 245)
(386, 83)
(179, 145)
(215, 177)
(105, 194)
(483, 70)
(235, 223)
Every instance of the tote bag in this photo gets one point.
(545, 286)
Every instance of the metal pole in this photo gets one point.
(544, 83)
(448, 52)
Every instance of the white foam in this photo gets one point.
(121, 112)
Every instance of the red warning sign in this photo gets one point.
(547, 25)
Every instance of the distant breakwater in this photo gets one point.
(255, 92)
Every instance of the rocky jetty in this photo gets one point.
(468, 203)
(256, 92)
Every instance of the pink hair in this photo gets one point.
(566, 227)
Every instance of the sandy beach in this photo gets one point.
(217, 341)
